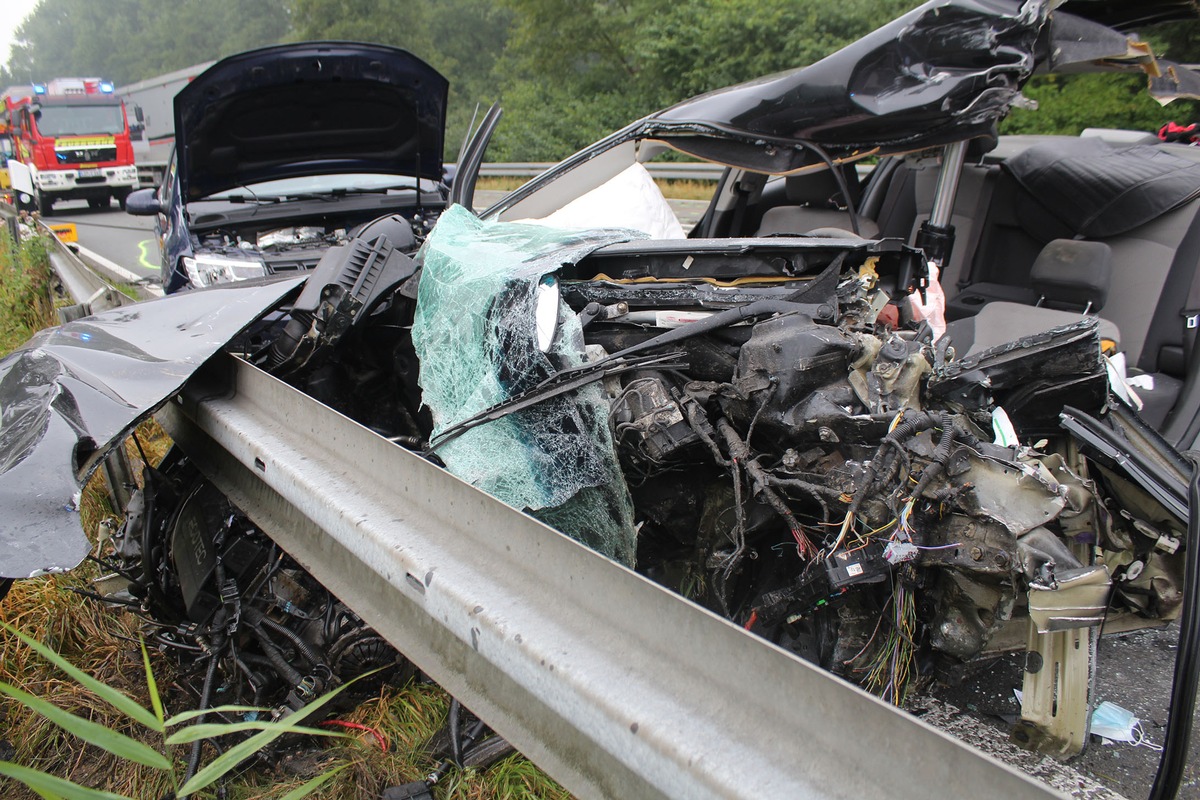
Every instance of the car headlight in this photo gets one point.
(204, 270)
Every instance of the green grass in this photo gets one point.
(25, 303)
(103, 643)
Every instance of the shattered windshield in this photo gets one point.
(476, 336)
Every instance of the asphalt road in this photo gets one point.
(125, 240)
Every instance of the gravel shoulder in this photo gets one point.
(1134, 670)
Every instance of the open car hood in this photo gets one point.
(313, 108)
(947, 71)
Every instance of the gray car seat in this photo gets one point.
(1070, 278)
(812, 205)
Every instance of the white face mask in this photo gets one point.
(1114, 723)
(1117, 724)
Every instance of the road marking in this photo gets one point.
(143, 255)
(120, 272)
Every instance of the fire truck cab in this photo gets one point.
(70, 140)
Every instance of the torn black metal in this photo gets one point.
(946, 72)
(73, 393)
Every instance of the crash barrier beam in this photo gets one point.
(89, 292)
(680, 171)
(614, 685)
(151, 173)
(666, 170)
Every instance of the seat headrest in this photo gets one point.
(1071, 272)
(819, 189)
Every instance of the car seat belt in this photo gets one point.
(1191, 317)
(978, 220)
(745, 189)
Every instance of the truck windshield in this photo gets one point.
(68, 120)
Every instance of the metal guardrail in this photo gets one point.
(150, 172)
(89, 291)
(663, 170)
(614, 685)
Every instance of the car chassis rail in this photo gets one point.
(614, 685)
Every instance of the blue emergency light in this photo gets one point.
(106, 87)
(39, 88)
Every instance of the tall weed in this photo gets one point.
(26, 305)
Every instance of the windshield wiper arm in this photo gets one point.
(332, 194)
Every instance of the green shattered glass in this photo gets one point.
(475, 336)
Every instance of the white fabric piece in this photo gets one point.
(1123, 386)
(628, 200)
(1145, 381)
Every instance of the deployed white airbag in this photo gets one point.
(629, 200)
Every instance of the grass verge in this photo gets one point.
(25, 303)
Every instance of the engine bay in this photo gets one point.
(298, 246)
(755, 426)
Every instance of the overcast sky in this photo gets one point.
(15, 12)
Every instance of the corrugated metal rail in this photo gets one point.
(88, 291)
(150, 172)
(664, 170)
(617, 687)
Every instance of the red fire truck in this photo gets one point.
(70, 140)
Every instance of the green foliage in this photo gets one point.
(129, 40)
(566, 71)
(133, 749)
(700, 46)
(25, 304)
(574, 71)
(462, 39)
(1068, 104)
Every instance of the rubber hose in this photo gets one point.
(314, 658)
(456, 749)
(205, 695)
(271, 650)
(148, 495)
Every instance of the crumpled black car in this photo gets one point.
(882, 423)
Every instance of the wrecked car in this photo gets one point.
(283, 152)
(770, 414)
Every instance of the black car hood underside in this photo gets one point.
(315, 108)
(945, 72)
(73, 393)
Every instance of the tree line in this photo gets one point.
(565, 71)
